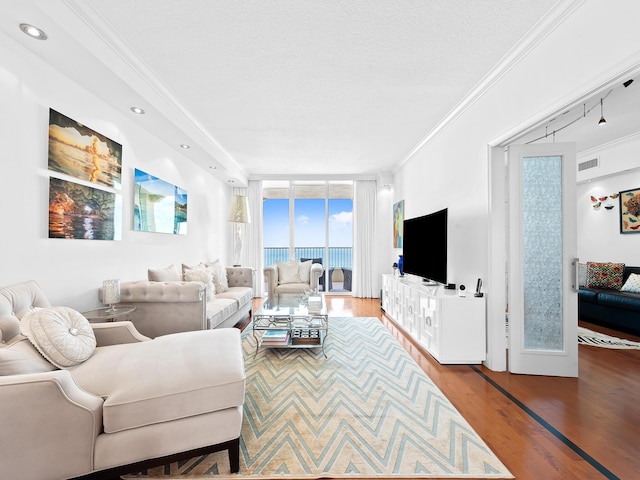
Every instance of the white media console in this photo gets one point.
(451, 328)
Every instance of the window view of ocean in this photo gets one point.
(338, 256)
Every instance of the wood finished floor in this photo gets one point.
(598, 413)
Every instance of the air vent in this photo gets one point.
(593, 163)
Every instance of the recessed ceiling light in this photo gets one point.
(33, 32)
(230, 181)
(213, 167)
(137, 110)
(185, 146)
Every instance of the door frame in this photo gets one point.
(496, 282)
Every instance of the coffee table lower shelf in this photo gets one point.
(296, 338)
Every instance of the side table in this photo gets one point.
(110, 314)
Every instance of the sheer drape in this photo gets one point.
(251, 255)
(364, 234)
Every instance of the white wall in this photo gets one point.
(451, 169)
(599, 237)
(71, 271)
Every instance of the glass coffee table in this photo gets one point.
(291, 320)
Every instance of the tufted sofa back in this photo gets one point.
(15, 301)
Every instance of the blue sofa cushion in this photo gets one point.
(627, 301)
(588, 295)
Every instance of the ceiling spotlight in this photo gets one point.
(185, 146)
(628, 82)
(33, 32)
(213, 167)
(602, 120)
(137, 110)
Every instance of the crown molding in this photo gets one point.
(554, 18)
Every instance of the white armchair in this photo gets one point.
(293, 277)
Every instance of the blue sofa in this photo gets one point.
(611, 308)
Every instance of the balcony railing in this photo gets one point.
(339, 258)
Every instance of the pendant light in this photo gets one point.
(602, 120)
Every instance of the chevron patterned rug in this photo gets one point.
(366, 411)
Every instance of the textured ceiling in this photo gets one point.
(286, 87)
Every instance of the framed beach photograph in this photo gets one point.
(398, 223)
(630, 211)
(82, 153)
(158, 206)
(81, 212)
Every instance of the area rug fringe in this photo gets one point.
(596, 339)
(366, 411)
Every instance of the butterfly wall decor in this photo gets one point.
(597, 202)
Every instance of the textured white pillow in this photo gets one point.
(305, 271)
(289, 272)
(200, 273)
(167, 274)
(20, 357)
(632, 285)
(219, 276)
(62, 335)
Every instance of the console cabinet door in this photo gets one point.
(386, 294)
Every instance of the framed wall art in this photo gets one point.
(81, 212)
(158, 206)
(630, 211)
(398, 223)
(82, 153)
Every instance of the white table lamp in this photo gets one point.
(111, 293)
(239, 214)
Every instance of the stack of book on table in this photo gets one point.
(275, 338)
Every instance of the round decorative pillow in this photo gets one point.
(62, 335)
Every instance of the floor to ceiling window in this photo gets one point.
(311, 219)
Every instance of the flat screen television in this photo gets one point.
(424, 247)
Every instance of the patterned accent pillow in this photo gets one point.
(632, 285)
(604, 275)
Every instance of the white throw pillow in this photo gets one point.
(19, 356)
(200, 273)
(219, 276)
(632, 285)
(167, 274)
(289, 272)
(62, 335)
(305, 271)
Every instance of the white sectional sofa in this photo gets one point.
(165, 307)
(126, 403)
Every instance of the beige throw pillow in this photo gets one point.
(305, 271)
(289, 272)
(19, 356)
(167, 274)
(62, 335)
(219, 276)
(200, 273)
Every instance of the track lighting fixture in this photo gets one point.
(602, 120)
(627, 83)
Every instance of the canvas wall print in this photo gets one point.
(158, 206)
(630, 211)
(81, 212)
(398, 223)
(82, 153)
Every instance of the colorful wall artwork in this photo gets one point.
(82, 153)
(158, 205)
(398, 223)
(82, 212)
(630, 211)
